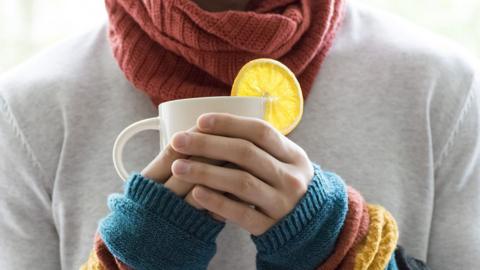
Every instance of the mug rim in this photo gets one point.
(210, 97)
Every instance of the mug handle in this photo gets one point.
(154, 123)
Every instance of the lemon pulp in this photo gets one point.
(273, 80)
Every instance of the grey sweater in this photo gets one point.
(394, 111)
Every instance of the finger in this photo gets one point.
(237, 212)
(217, 217)
(181, 188)
(159, 168)
(251, 129)
(241, 152)
(190, 200)
(242, 184)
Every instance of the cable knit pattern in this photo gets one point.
(150, 227)
(350, 230)
(306, 236)
(377, 248)
(173, 49)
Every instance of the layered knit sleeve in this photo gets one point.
(354, 230)
(101, 258)
(376, 251)
(332, 227)
(305, 237)
(149, 227)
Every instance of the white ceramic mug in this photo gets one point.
(181, 114)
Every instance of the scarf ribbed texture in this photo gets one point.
(173, 49)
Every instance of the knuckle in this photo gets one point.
(303, 156)
(296, 184)
(246, 183)
(246, 150)
(265, 131)
(303, 153)
(300, 151)
(247, 216)
(169, 153)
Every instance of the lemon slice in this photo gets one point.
(269, 78)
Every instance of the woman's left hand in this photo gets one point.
(273, 172)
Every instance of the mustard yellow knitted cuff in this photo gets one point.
(93, 263)
(375, 251)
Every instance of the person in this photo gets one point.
(391, 113)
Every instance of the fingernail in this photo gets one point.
(180, 167)
(206, 121)
(200, 193)
(179, 140)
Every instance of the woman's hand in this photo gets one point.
(159, 170)
(274, 174)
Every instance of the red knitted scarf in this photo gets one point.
(173, 49)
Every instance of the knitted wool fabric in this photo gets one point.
(100, 258)
(93, 263)
(306, 237)
(311, 228)
(150, 227)
(105, 258)
(375, 251)
(348, 262)
(173, 49)
(350, 230)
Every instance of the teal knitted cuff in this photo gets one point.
(150, 227)
(162, 202)
(307, 235)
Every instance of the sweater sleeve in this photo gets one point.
(330, 227)
(455, 233)
(29, 238)
(149, 227)
(376, 251)
(101, 258)
(354, 230)
(328, 233)
(306, 236)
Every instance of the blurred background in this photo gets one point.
(28, 26)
